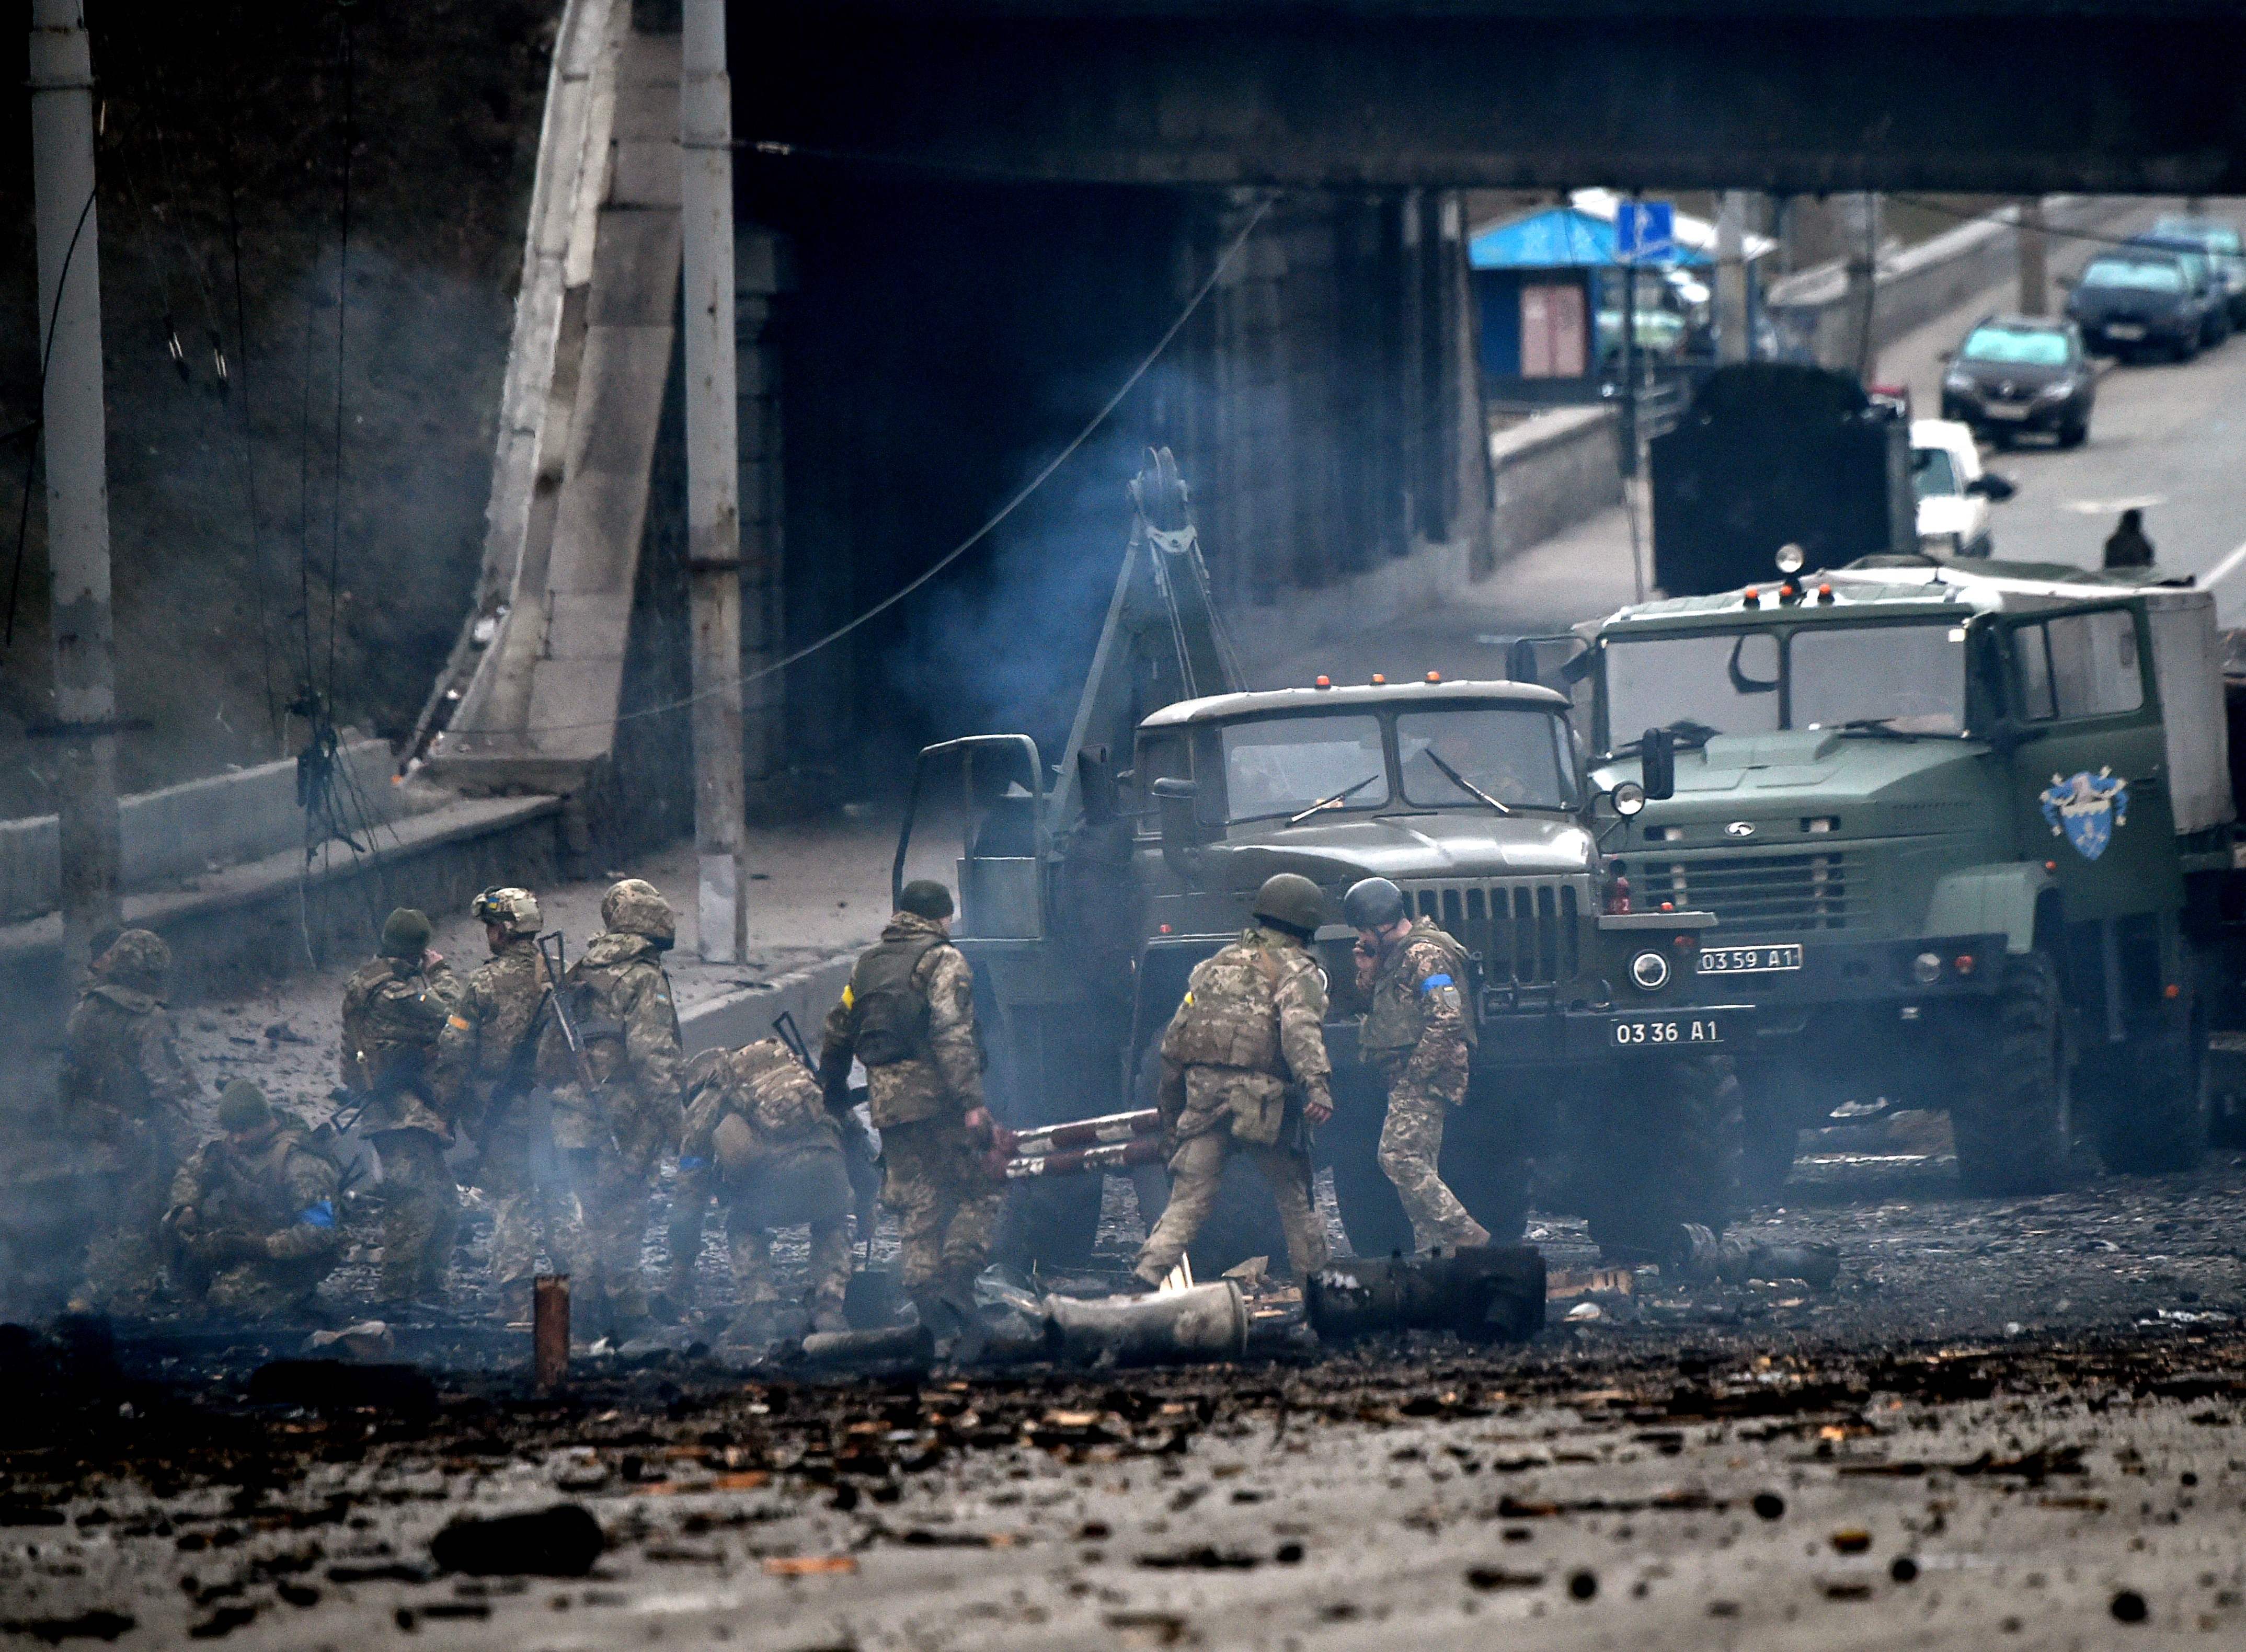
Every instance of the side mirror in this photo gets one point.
(1995, 488)
(1657, 760)
(1174, 799)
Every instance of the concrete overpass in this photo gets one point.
(1790, 96)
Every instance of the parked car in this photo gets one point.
(1954, 492)
(2134, 300)
(2225, 247)
(2198, 268)
(2015, 373)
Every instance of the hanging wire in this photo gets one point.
(1019, 499)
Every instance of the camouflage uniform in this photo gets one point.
(1252, 1025)
(394, 1008)
(1419, 1037)
(756, 1116)
(125, 1094)
(924, 1080)
(614, 1137)
(254, 1232)
(484, 1061)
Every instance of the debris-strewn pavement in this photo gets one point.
(2014, 1422)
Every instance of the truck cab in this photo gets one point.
(1970, 831)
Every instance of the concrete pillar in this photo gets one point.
(2035, 284)
(66, 222)
(1469, 448)
(1732, 339)
(1860, 323)
(1411, 388)
(713, 523)
(760, 275)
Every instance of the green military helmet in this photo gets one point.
(138, 959)
(925, 898)
(406, 933)
(241, 1105)
(636, 907)
(513, 910)
(1371, 903)
(1290, 901)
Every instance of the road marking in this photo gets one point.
(2113, 507)
(2224, 569)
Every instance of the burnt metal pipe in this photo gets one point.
(1203, 1323)
(1492, 1294)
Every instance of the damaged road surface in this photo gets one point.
(2017, 1422)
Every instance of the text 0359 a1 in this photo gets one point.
(1634, 1032)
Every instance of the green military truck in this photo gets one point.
(1089, 891)
(1971, 835)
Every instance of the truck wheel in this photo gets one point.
(2154, 1118)
(2011, 1123)
(1051, 1225)
(1663, 1151)
(1370, 1212)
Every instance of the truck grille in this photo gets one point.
(1525, 930)
(1759, 895)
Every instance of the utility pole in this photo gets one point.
(1733, 343)
(1861, 213)
(77, 483)
(2035, 291)
(714, 514)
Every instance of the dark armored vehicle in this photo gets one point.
(1085, 903)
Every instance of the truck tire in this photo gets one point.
(1663, 1151)
(2155, 1113)
(1769, 1137)
(1050, 1225)
(2012, 1121)
(1371, 1215)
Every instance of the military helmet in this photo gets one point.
(925, 898)
(406, 933)
(512, 909)
(241, 1105)
(138, 959)
(636, 908)
(1371, 903)
(1292, 902)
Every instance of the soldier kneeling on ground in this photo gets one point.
(252, 1227)
(1245, 1070)
(757, 1118)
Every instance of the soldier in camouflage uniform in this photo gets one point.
(908, 1014)
(125, 1097)
(756, 1116)
(1419, 1037)
(1250, 1030)
(395, 1007)
(613, 1131)
(252, 1229)
(486, 1065)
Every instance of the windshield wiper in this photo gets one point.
(1690, 736)
(1333, 802)
(1883, 728)
(1463, 783)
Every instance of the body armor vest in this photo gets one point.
(1397, 1017)
(888, 1004)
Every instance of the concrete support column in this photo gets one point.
(1411, 388)
(1732, 342)
(1469, 424)
(2035, 283)
(713, 524)
(760, 275)
(78, 481)
(1861, 216)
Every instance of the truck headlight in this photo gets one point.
(1649, 970)
(1926, 968)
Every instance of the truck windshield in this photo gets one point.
(1904, 678)
(1276, 766)
(1519, 758)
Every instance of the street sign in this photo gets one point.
(1645, 229)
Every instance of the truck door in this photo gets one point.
(1001, 868)
(2089, 780)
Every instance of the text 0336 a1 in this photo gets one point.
(1645, 1032)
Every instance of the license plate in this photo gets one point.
(1659, 1032)
(2124, 329)
(1748, 960)
(2003, 410)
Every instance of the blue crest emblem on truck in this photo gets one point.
(2085, 809)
